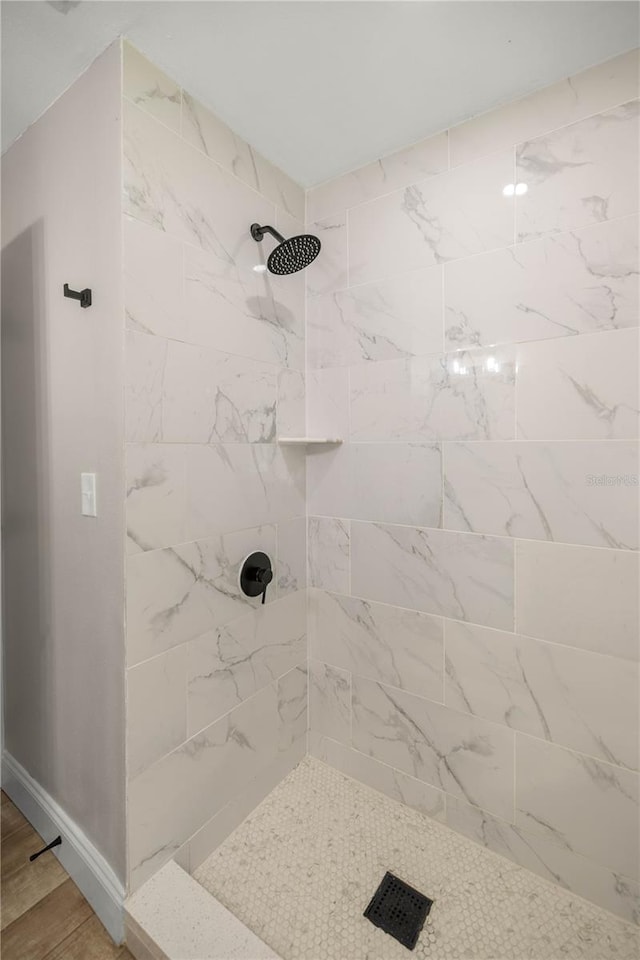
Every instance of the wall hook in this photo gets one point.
(84, 296)
(49, 846)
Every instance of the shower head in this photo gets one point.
(290, 255)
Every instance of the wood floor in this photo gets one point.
(43, 914)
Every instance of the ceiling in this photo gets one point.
(318, 87)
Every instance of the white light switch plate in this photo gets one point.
(88, 488)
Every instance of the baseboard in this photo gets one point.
(85, 865)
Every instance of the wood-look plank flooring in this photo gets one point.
(43, 915)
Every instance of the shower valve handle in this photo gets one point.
(256, 575)
(263, 576)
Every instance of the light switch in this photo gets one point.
(88, 488)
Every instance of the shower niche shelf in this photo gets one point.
(309, 441)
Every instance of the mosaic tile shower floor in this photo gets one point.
(302, 868)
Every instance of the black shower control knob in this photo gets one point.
(255, 575)
(263, 575)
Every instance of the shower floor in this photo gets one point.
(302, 868)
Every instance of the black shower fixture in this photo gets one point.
(290, 255)
(256, 575)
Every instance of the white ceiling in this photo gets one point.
(318, 87)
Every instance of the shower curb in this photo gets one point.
(172, 917)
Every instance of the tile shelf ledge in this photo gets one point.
(301, 441)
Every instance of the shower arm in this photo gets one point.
(258, 232)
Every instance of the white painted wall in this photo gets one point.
(62, 373)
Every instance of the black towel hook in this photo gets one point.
(84, 296)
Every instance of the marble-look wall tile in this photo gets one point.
(328, 402)
(208, 133)
(464, 576)
(209, 397)
(465, 756)
(253, 484)
(239, 377)
(156, 708)
(156, 504)
(590, 388)
(231, 663)
(363, 480)
(145, 368)
(178, 593)
(215, 356)
(399, 169)
(579, 282)
(329, 270)
(544, 491)
(328, 553)
(329, 702)
(169, 490)
(591, 91)
(290, 226)
(395, 318)
(293, 699)
(197, 780)
(554, 862)
(153, 281)
(279, 188)
(581, 596)
(231, 307)
(401, 648)
(291, 574)
(150, 88)
(448, 397)
(453, 215)
(202, 844)
(603, 825)
(176, 189)
(399, 786)
(291, 412)
(579, 174)
(204, 130)
(577, 699)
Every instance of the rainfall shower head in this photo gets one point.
(290, 255)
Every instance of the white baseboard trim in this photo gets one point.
(85, 865)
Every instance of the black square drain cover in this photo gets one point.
(399, 910)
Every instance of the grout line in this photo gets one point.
(495, 724)
(348, 528)
(515, 197)
(515, 739)
(347, 219)
(278, 366)
(489, 154)
(515, 586)
(548, 130)
(443, 475)
(448, 131)
(408, 441)
(388, 766)
(444, 663)
(350, 710)
(450, 532)
(471, 623)
(548, 237)
(277, 205)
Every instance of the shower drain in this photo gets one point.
(399, 910)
